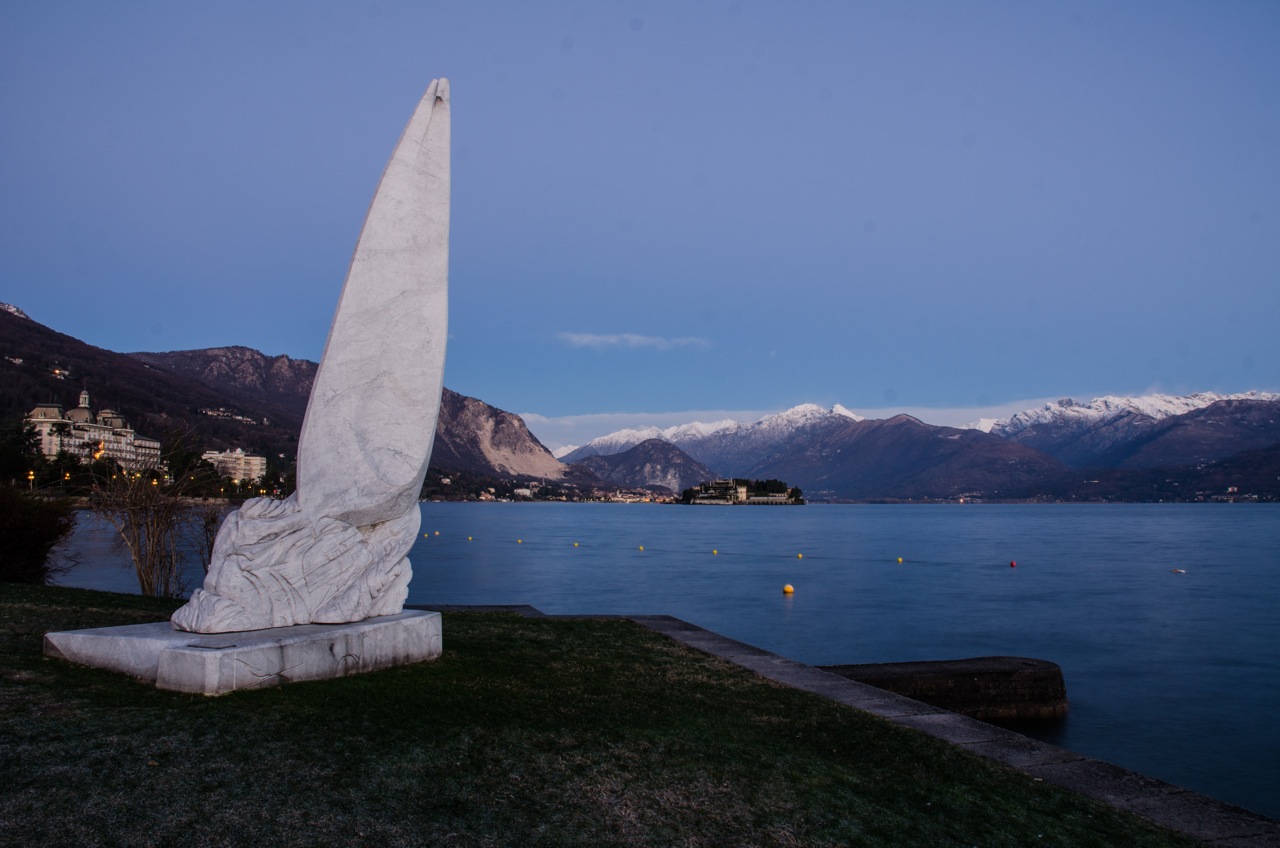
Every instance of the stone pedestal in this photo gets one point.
(215, 664)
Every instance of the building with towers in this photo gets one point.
(89, 436)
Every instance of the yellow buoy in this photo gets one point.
(899, 559)
(468, 538)
(714, 552)
(788, 589)
(799, 556)
(519, 541)
(575, 544)
(642, 547)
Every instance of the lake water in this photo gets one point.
(1176, 675)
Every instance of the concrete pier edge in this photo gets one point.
(1200, 817)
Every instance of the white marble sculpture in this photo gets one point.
(335, 550)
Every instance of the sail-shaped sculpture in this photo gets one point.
(334, 551)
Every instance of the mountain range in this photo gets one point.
(1146, 448)
(229, 397)
(41, 365)
(652, 464)
(1147, 432)
(1141, 448)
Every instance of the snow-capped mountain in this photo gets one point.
(834, 453)
(1156, 447)
(1071, 412)
(730, 447)
(623, 440)
(1146, 431)
(654, 462)
(903, 458)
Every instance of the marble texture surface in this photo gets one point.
(335, 550)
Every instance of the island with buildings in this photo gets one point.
(738, 492)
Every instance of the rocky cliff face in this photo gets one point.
(270, 382)
(474, 436)
(470, 435)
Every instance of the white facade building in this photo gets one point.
(81, 433)
(238, 465)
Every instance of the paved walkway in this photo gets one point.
(1198, 816)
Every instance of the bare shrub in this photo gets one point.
(151, 517)
(202, 528)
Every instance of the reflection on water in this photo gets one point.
(1174, 675)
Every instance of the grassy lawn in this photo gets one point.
(526, 732)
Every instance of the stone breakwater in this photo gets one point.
(985, 688)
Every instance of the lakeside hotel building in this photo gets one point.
(238, 465)
(82, 433)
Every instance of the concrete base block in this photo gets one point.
(218, 663)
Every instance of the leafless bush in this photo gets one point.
(151, 518)
(203, 522)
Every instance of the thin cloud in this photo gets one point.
(629, 340)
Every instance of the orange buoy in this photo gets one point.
(788, 589)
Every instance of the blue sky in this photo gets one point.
(668, 211)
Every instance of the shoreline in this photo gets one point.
(681, 732)
(1184, 811)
